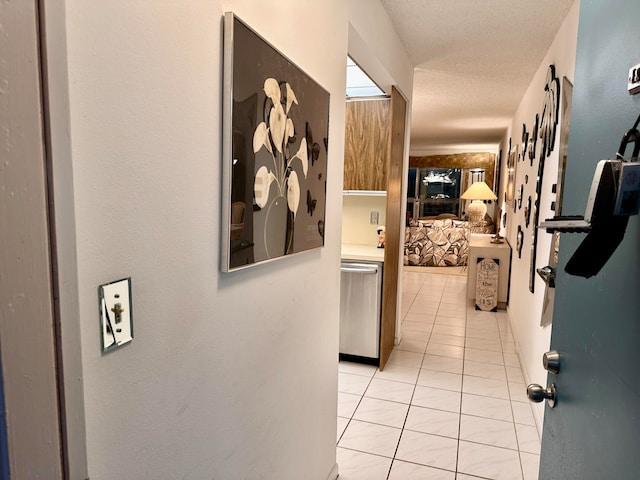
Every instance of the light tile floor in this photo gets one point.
(451, 402)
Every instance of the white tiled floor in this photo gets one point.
(451, 402)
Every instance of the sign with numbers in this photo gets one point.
(487, 284)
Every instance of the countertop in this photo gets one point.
(351, 251)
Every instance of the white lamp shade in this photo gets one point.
(479, 191)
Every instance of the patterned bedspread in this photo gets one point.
(440, 243)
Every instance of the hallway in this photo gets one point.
(451, 403)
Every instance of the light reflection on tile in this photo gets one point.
(354, 465)
(485, 386)
(522, 413)
(399, 373)
(342, 424)
(407, 359)
(488, 432)
(412, 346)
(484, 356)
(443, 380)
(447, 339)
(528, 439)
(487, 407)
(485, 370)
(445, 350)
(390, 390)
(410, 471)
(357, 369)
(442, 364)
(347, 403)
(370, 438)
(489, 462)
(436, 398)
(436, 422)
(355, 384)
(530, 465)
(381, 412)
(430, 450)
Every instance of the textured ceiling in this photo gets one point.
(473, 62)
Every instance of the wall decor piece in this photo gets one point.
(549, 121)
(519, 241)
(548, 273)
(533, 141)
(525, 141)
(275, 137)
(512, 164)
(487, 271)
(520, 194)
(527, 212)
(550, 111)
(496, 173)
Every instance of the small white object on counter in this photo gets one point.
(351, 251)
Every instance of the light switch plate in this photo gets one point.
(116, 316)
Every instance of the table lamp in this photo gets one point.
(478, 192)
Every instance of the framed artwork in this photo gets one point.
(274, 152)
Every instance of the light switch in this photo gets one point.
(116, 317)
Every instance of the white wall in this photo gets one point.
(525, 308)
(228, 376)
(356, 215)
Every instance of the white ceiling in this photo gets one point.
(473, 60)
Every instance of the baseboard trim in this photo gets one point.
(333, 475)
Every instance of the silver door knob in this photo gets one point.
(537, 393)
(551, 361)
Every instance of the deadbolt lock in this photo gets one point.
(551, 361)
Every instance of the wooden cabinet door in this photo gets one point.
(366, 145)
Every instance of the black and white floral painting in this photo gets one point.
(274, 152)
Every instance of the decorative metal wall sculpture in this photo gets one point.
(565, 125)
(275, 138)
(547, 135)
(519, 241)
(533, 141)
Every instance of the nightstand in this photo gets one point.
(480, 246)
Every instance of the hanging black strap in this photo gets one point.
(631, 136)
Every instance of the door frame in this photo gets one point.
(44, 41)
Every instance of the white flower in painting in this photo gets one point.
(274, 134)
(262, 184)
(291, 98)
(293, 193)
(272, 90)
(277, 125)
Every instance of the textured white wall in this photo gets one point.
(228, 376)
(525, 308)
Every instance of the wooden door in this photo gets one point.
(27, 332)
(394, 226)
(593, 433)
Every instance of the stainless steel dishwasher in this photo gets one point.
(360, 307)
